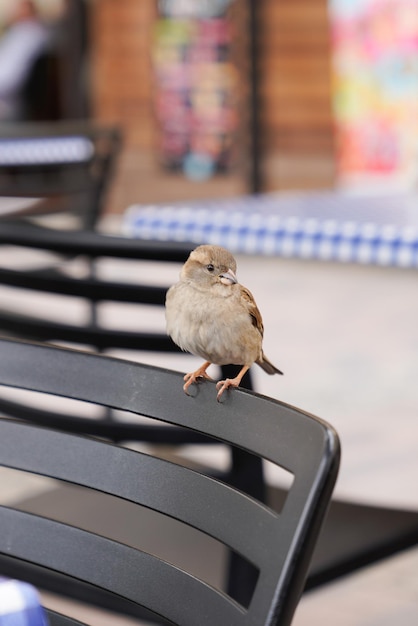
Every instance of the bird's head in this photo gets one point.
(209, 265)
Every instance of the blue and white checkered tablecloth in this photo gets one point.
(45, 150)
(20, 604)
(336, 226)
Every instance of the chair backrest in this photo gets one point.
(278, 545)
(70, 160)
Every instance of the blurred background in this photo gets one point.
(223, 98)
(274, 95)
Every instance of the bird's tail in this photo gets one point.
(267, 365)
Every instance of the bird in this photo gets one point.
(211, 315)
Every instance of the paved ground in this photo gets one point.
(347, 339)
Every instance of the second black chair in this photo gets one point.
(67, 166)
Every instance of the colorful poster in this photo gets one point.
(196, 87)
(375, 72)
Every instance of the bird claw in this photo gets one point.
(194, 377)
(225, 384)
(200, 374)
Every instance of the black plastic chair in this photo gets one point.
(69, 165)
(354, 535)
(72, 561)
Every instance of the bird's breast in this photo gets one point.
(211, 325)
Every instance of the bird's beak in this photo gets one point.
(228, 278)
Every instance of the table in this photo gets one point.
(367, 228)
(20, 605)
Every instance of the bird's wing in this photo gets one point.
(249, 303)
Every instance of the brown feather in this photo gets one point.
(268, 366)
(253, 310)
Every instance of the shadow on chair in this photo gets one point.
(67, 165)
(88, 564)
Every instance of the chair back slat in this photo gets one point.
(90, 288)
(134, 479)
(123, 571)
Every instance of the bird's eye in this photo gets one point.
(210, 267)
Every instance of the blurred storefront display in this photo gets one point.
(198, 86)
(375, 60)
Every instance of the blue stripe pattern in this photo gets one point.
(331, 226)
(20, 604)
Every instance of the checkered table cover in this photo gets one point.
(20, 604)
(336, 226)
(45, 151)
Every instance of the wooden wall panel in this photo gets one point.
(121, 73)
(295, 94)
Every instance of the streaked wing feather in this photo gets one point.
(255, 314)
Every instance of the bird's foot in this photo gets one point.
(226, 384)
(231, 382)
(196, 377)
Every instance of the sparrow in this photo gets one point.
(209, 314)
